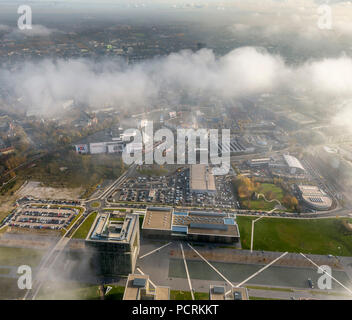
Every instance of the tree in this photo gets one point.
(290, 202)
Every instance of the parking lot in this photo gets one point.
(173, 190)
(43, 217)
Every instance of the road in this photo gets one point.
(53, 255)
(49, 261)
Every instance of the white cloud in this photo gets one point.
(36, 31)
(243, 72)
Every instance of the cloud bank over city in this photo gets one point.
(244, 72)
(247, 71)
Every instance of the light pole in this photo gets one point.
(252, 235)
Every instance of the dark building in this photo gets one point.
(115, 244)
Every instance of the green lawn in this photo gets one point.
(110, 209)
(259, 298)
(201, 295)
(261, 204)
(141, 218)
(78, 216)
(19, 256)
(186, 295)
(116, 293)
(117, 219)
(68, 291)
(9, 289)
(95, 205)
(82, 231)
(77, 291)
(153, 171)
(4, 271)
(317, 236)
(180, 295)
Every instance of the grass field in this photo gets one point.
(68, 291)
(201, 295)
(259, 298)
(82, 171)
(186, 295)
(4, 271)
(153, 170)
(316, 236)
(78, 216)
(19, 256)
(9, 289)
(95, 204)
(77, 291)
(82, 231)
(116, 293)
(141, 218)
(180, 295)
(261, 204)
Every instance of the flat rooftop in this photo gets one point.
(315, 197)
(105, 228)
(162, 293)
(138, 288)
(293, 162)
(191, 222)
(131, 289)
(219, 293)
(201, 178)
(205, 222)
(158, 218)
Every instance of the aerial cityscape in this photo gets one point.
(174, 150)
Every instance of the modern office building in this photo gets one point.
(165, 223)
(315, 198)
(114, 244)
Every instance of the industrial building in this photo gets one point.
(293, 164)
(165, 223)
(236, 147)
(219, 293)
(315, 198)
(138, 287)
(115, 244)
(284, 164)
(105, 141)
(287, 165)
(202, 179)
(263, 162)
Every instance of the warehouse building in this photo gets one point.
(294, 165)
(202, 179)
(204, 226)
(115, 244)
(259, 163)
(105, 141)
(287, 165)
